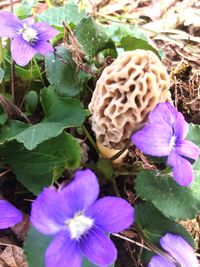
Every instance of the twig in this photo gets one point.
(136, 264)
(145, 162)
(8, 245)
(11, 6)
(5, 172)
(131, 241)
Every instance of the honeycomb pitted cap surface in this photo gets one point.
(125, 93)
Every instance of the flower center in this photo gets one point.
(79, 225)
(28, 34)
(172, 141)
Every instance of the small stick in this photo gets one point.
(131, 241)
(5, 172)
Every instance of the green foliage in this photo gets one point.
(3, 116)
(38, 168)
(68, 13)
(130, 37)
(25, 73)
(31, 102)
(63, 73)
(57, 108)
(133, 43)
(105, 166)
(153, 224)
(25, 9)
(194, 134)
(170, 198)
(35, 246)
(60, 113)
(9, 132)
(92, 37)
(117, 31)
(1, 74)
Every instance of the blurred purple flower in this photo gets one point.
(80, 222)
(9, 215)
(179, 250)
(28, 37)
(164, 135)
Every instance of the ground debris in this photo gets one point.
(12, 256)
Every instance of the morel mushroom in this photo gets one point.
(125, 93)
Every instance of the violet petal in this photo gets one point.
(9, 24)
(22, 51)
(180, 127)
(111, 214)
(179, 249)
(158, 261)
(63, 252)
(98, 248)
(45, 31)
(82, 191)
(49, 212)
(29, 21)
(43, 48)
(9, 215)
(154, 139)
(163, 112)
(187, 149)
(182, 169)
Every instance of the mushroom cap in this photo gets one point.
(125, 93)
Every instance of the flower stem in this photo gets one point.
(118, 154)
(12, 85)
(12, 69)
(90, 139)
(31, 75)
(38, 69)
(11, 6)
(115, 188)
(2, 63)
(29, 84)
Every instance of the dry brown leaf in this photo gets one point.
(116, 6)
(12, 256)
(20, 229)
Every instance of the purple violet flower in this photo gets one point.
(80, 222)
(164, 135)
(28, 37)
(179, 250)
(9, 215)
